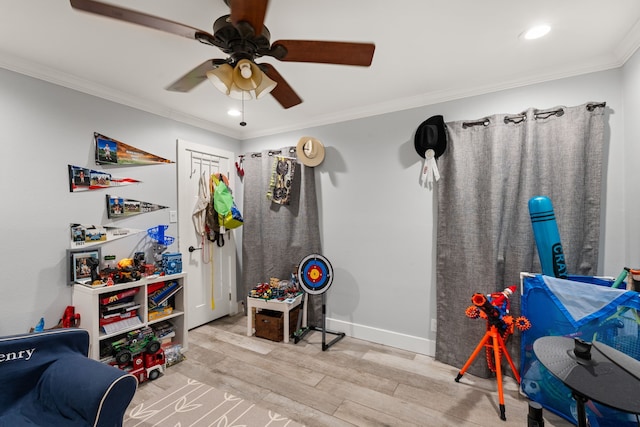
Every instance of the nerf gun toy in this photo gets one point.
(494, 308)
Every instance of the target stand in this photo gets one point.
(315, 276)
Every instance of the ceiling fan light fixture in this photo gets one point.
(222, 78)
(266, 86)
(237, 93)
(245, 70)
(243, 35)
(247, 75)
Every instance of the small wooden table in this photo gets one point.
(276, 305)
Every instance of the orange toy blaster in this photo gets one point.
(500, 324)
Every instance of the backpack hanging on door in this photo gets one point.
(212, 226)
(229, 216)
(212, 223)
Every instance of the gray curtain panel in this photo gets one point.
(491, 168)
(276, 237)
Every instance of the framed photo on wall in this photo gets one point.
(115, 207)
(106, 151)
(83, 265)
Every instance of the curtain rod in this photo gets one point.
(593, 105)
(481, 122)
(272, 152)
(519, 118)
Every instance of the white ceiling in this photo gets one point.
(427, 51)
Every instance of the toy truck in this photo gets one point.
(135, 343)
(147, 366)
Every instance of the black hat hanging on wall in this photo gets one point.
(430, 143)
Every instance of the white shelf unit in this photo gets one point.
(87, 302)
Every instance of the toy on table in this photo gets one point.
(93, 265)
(275, 289)
(124, 272)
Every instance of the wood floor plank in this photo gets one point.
(360, 415)
(353, 383)
(337, 365)
(301, 412)
(314, 397)
(267, 362)
(399, 409)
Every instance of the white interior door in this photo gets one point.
(211, 270)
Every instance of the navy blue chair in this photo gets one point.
(46, 379)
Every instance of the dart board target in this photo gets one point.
(315, 274)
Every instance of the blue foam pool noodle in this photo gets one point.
(545, 231)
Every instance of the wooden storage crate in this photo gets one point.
(269, 324)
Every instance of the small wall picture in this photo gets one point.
(115, 206)
(84, 266)
(77, 234)
(82, 177)
(79, 178)
(95, 234)
(132, 207)
(100, 179)
(119, 207)
(106, 151)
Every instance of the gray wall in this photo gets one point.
(629, 200)
(377, 223)
(44, 127)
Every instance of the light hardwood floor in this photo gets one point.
(354, 382)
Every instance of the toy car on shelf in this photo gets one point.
(134, 343)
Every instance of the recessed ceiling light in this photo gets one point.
(537, 32)
(234, 113)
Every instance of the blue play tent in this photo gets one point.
(585, 307)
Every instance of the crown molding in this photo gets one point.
(80, 84)
(623, 53)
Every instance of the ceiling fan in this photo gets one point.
(242, 35)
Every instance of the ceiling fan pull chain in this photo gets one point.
(242, 123)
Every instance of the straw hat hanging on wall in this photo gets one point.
(310, 151)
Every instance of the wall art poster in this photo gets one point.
(84, 235)
(118, 207)
(83, 179)
(113, 152)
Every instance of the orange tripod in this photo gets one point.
(497, 327)
(498, 346)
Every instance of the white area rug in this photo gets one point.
(198, 405)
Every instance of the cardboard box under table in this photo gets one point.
(266, 324)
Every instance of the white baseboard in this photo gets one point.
(384, 337)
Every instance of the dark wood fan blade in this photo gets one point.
(250, 11)
(343, 53)
(194, 77)
(140, 18)
(283, 93)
